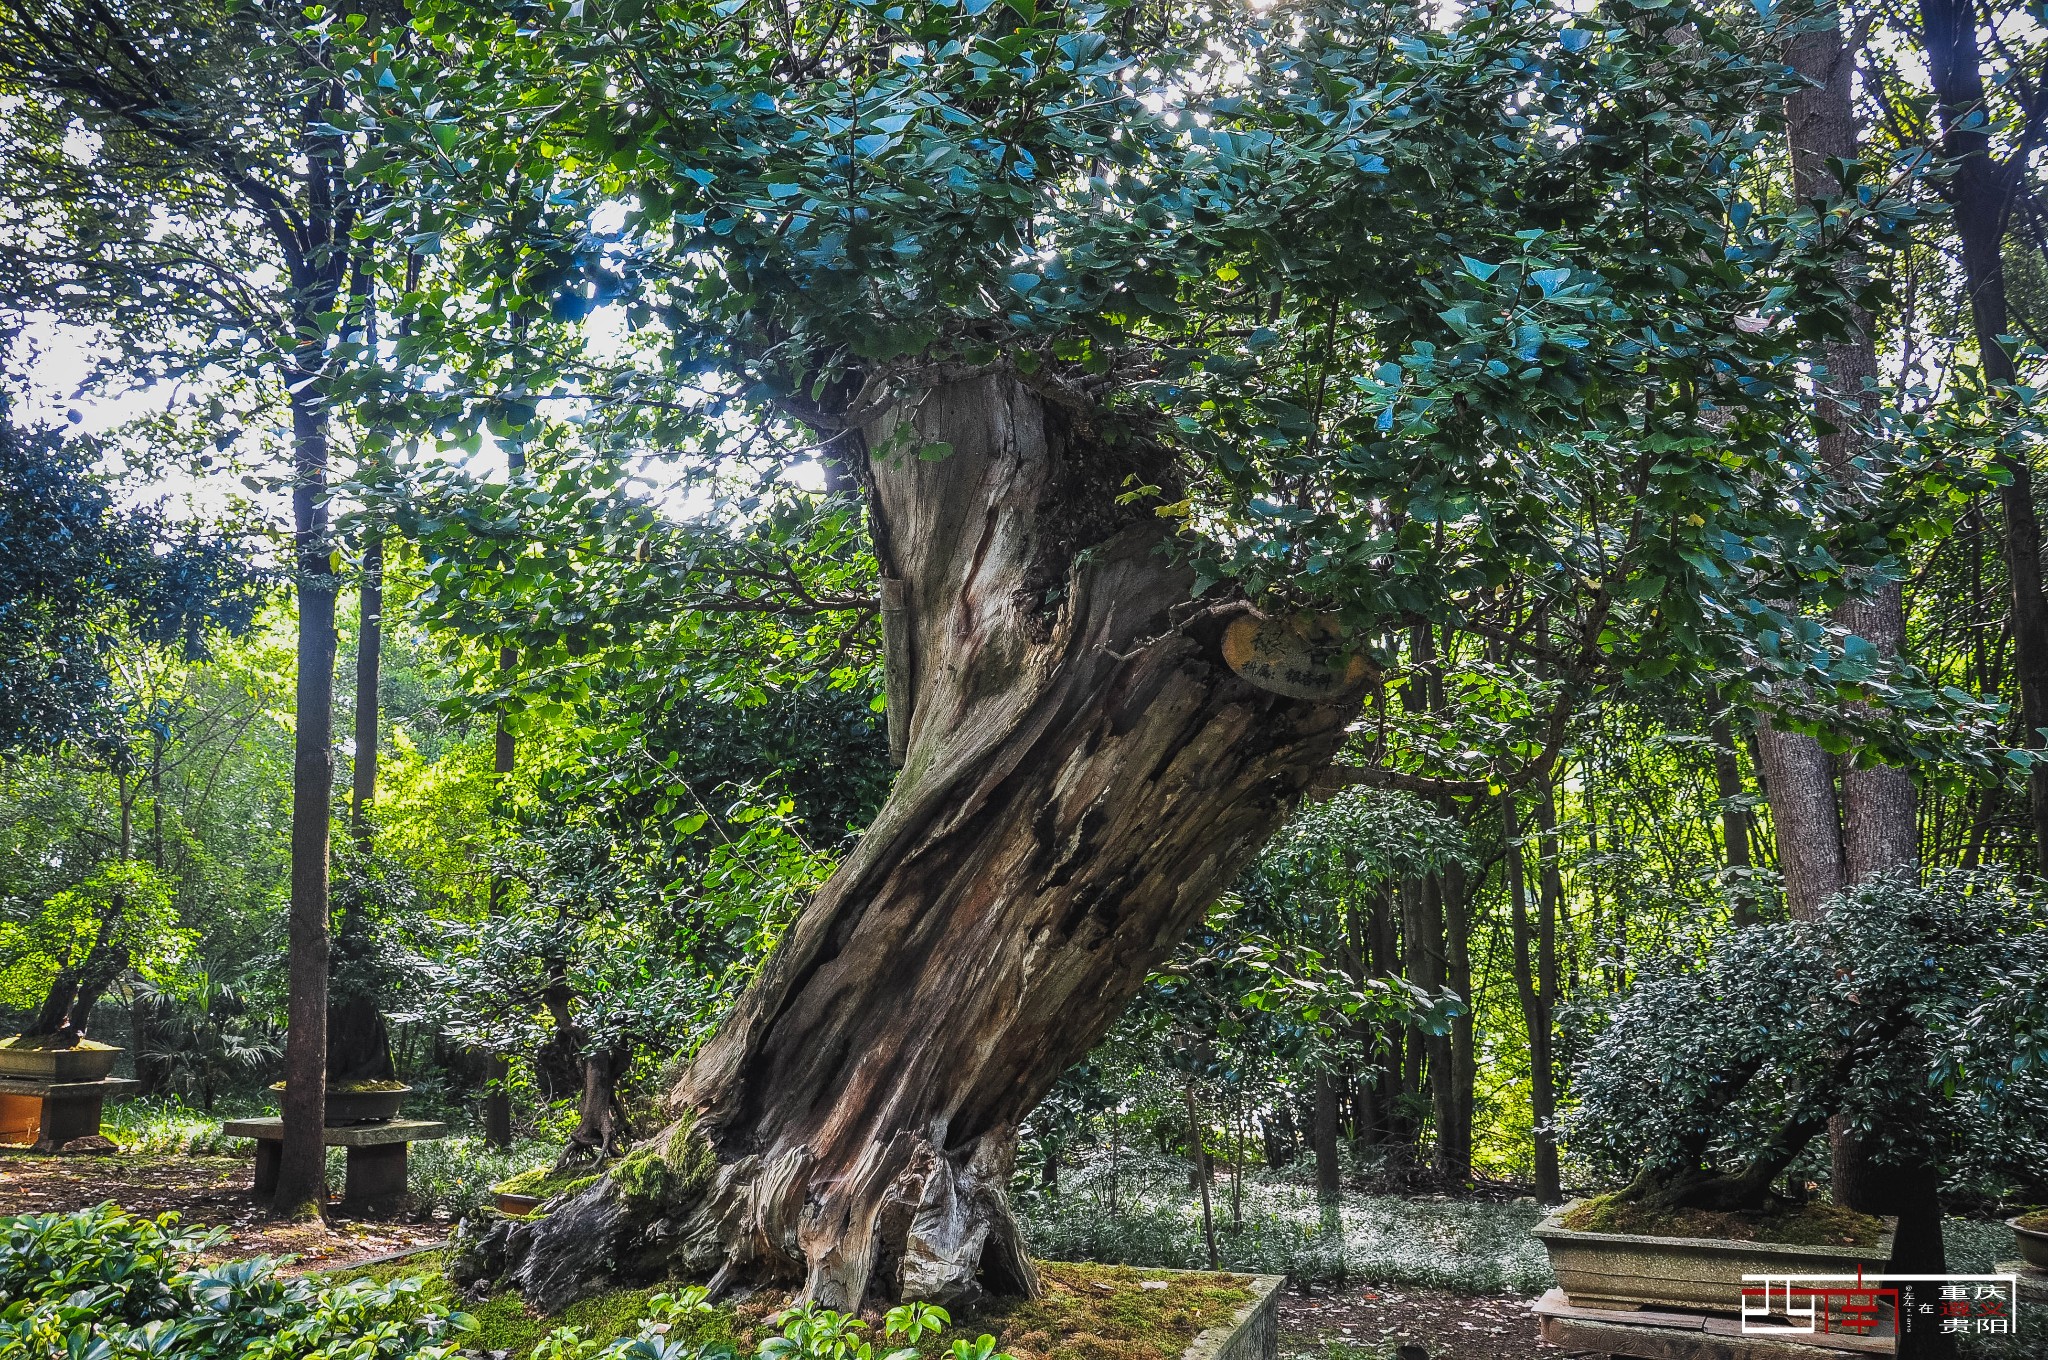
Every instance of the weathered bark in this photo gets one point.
(302, 1160)
(602, 1129)
(1081, 778)
(1806, 823)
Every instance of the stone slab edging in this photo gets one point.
(386, 1259)
(1254, 1334)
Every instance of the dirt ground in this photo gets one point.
(203, 1190)
(1447, 1326)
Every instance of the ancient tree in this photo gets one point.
(1182, 361)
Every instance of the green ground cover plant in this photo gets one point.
(109, 1285)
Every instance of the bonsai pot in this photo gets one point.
(1693, 1274)
(367, 1104)
(517, 1206)
(29, 1060)
(2033, 1244)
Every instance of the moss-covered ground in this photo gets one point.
(1087, 1312)
(1812, 1224)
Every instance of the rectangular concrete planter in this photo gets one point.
(1254, 1334)
(58, 1064)
(1700, 1274)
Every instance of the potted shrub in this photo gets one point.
(63, 957)
(361, 1102)
(1714, 1077)
(55, 1058)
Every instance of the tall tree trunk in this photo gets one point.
(1083, 775)
(1878, 825)
(1806, 822)
(498, 1067)
(1983, 190)
(302, 1160)
(1454, 1139)
(1535, 1013)
(358, 1041)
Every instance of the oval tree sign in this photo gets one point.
(1301, 656)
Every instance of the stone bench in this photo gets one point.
(376, 1152)
(49, 1115)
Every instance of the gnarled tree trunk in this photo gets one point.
(1081, 779)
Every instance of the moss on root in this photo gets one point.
(546, 1183)
(667, 1172)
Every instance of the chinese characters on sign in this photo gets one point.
(1879, 1305)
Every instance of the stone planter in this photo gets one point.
(86, 1062)
(2033, 1244)
(1254, 1334)
(1692, 1274)
(373, 1105)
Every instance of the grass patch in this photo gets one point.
(1089, 1312)
(157, 1126)
(1812, 1224)
(544, 1182)
(2037, 1221)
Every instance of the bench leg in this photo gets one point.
(268, 1152)
(68, 1118)
(375, 1172)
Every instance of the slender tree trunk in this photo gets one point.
(369, 665)
(1455, 1147)
(1879, 831)
(1199, 1152)
(1323, 1138)
(1083, 774)
(498, 1067)
(1536, 1007)
(1734, 822)
(358, 1041)
(302, 1160)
